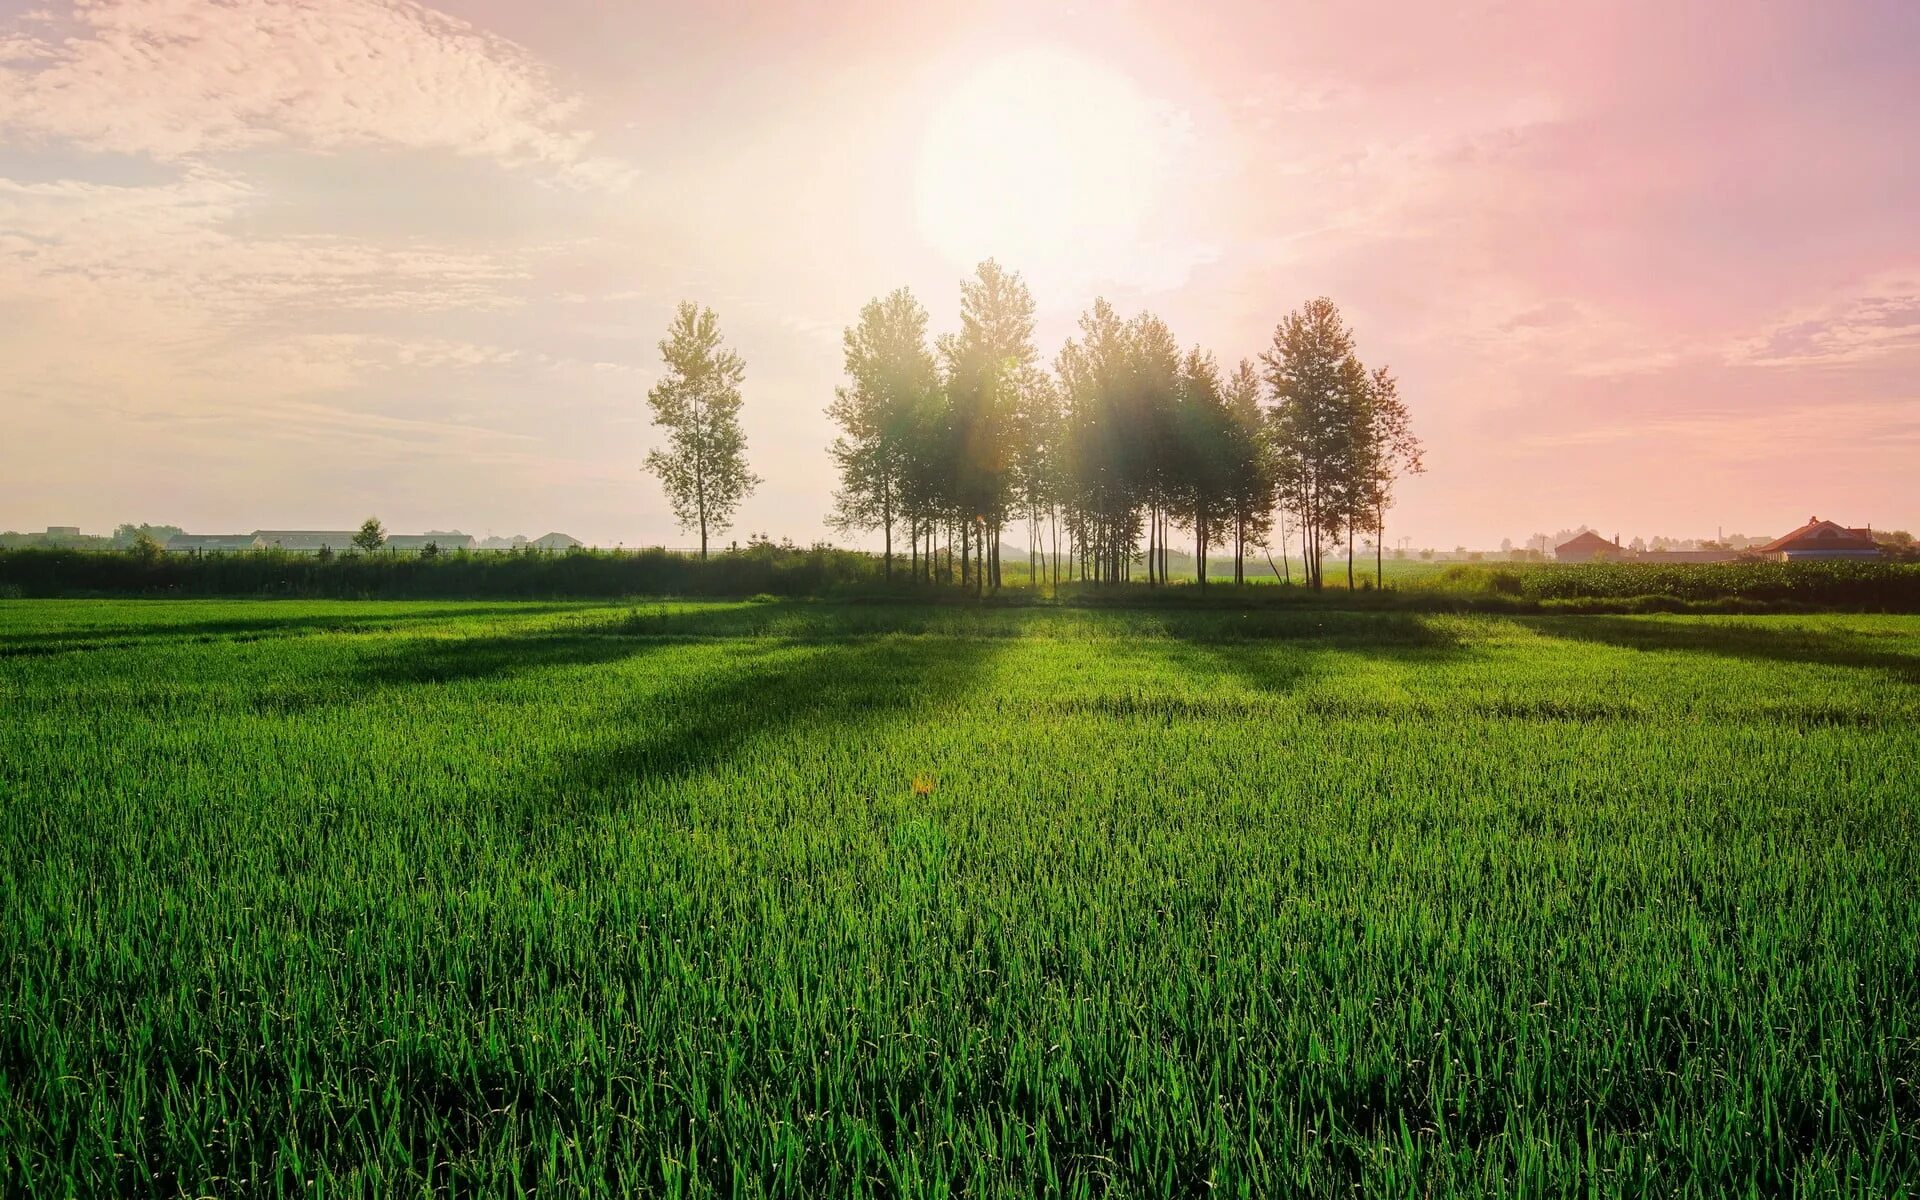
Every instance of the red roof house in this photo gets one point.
(1821, 539)
(1588, 547)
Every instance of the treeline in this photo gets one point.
(1127, 441)
(757, 568)
(762, 568)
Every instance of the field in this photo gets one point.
(789, 898)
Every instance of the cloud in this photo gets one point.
(1878, 318)
(178, 80)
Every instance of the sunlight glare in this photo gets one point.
(1047, 161)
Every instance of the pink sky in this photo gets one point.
(1649, 267)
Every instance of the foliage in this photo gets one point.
(892, 381)
(371, 537)
(703, 466)
(125, 536)
(806, 899)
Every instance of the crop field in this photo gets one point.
(785, 898)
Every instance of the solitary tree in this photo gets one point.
(703, 466)
(372, 535)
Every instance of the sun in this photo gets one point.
(1043, 159)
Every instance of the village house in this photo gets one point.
(557, 541)
(1588, 547)
(1822, 539)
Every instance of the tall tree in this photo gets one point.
(703, 466)
(1201, 486)
(986, 363)
(1318, 424)
(1037, 420)
(1392, 452)
(891, 375)
(1100, 449)
(1249, 466)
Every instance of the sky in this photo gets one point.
(1649, 267)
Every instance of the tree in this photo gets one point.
(1390, 451)
(890, 374)
(1318, 389)
(1200, 487)
(1249, 466)
(372, 535)
(703, 467)
(987, 363)
(1037, 419)
(128, 534)
(1101, 460)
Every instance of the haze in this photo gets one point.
(1649, 267)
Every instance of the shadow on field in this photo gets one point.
(1755, 643)
(244, 629)
(1278, 656)
(815, 695)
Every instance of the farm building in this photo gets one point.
(203, 543)
(557, 541)
(1588, 547)
(416, 542)
(307, 541)
(1822, 539)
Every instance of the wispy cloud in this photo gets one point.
(1878, 318)
(177, 80)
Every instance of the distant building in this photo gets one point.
(304, 541)
(54, 531)
(557, 541)
(1822, 539)
(214, 543)
(415, 542)
(1588, 547)
(501, 543)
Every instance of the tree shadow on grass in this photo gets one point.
(102, 637)
(820, 693)
(1752, 642)
(600, 639)
(1283, 652)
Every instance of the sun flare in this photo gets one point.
(1043, 159)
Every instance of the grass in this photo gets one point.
(791, 898)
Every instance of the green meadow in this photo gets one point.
(792, 898)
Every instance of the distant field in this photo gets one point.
(805, 899)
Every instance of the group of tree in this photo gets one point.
(1128, 440)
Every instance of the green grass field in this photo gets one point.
(800, 899)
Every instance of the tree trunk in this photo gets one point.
(1379, 544)
(1153, 531)
(1349, 553)
(886, 521)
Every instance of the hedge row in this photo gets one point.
(773, 570)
